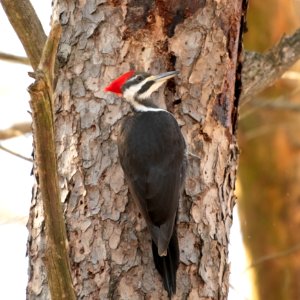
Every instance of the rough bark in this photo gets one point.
(109, 244)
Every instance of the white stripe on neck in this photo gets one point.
(142, 108)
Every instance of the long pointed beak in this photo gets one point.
(164, 76)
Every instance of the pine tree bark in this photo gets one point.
(109, 246)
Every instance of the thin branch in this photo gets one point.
(262, 70)
(291, 75)
(281, 105)
(15, 130)
(15, 153)
(14, 58)
(266, 129)
(28, 27)
(7, 218)
(269, 257)
(281, 102)
(41, 92)
(238, 292)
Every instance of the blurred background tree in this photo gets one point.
(269, 170)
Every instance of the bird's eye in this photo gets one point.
(139, 78)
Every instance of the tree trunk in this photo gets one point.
(109, 245)
(269, 167)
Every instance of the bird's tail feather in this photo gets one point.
(168, 265)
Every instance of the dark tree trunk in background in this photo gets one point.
(110, 249)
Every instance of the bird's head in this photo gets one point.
(136, 87)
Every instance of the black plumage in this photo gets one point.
(152, 154)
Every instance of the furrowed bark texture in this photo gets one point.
(109, 244)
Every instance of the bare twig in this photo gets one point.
(15, 153)
(15, 130)
(273, 256)
(41, 91)
(237, 291)
(281, 105)
(28, 27)
(281, 102)
(269, 127)
(262, 70)
(14, 58)
(7, 218)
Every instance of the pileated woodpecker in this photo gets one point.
(152, 153)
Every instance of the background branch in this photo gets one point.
(277, 255)
(14, 58)
(15, 153)
(262, 70)
(15, 130)
(279, 105)
(28, 27)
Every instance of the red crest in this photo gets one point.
(116, 85)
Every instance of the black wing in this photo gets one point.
(152, 155)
